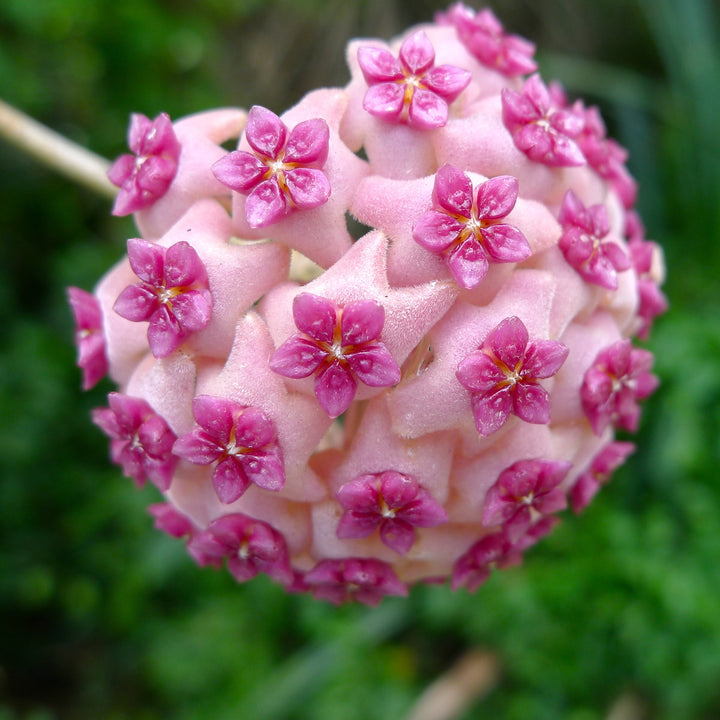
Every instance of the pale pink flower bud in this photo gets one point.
(417, 403)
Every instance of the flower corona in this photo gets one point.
(352, 414)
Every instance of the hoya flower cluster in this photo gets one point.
(351, 412)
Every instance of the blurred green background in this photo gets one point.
(103, 617)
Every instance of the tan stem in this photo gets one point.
(55, 150)
(474, 675)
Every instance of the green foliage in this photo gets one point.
(102, 617)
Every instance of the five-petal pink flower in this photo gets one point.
(89, 338)
(249, 545)
(140, 440)
(583, 244)
(145, 176)
(484, 36)
(546, 134)
(603, 465)
(492, 551)
(410, 89)
(240, 440)
(524, 494)
(172, 295)
(391, 501)
(502, 376)
(283, 173)
(339, 346)
(466, 227)
(613, 384)
(366, 580)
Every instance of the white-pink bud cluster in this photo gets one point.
(352, 415)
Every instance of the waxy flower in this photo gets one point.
(483, 35)
(474, 567)
(502, 376)
(543, 132)
(145, 176)
(612, 386)
(584, 246)
(339, 346)
(410, 89)
(524, 494)
(140, 440)
(363, 579)
(89, 337)
(652, 301)
(603, 465)
(172, 295)
(250, 546)
(241, 441)
(391, 501)
(466, 227)
(283, 173)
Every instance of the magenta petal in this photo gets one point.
(308, 188)
(491, 410)
(436, 231)
(496, 197)
(265, 132)
(216, 416)
(508, 341)
(378, 65)
(468, 263)
(266, 204)
(543, 358)
(357, 524)
(479, 373)
(198, 447)
(447, 81)
(155, 436)
(416, 53)
(505, 243)
(424, 511)
(138, 128)
(240, 171)
(616, 255)
(253, 429)
(397, 534)
(122, 169)
(229, 480)
(147, 261)
(315, 316)
(374, 365)
(308, 143)
(91, 359)
(361, 322)
(165, 335)
(183, 266)
(298, 357)
(193, 309)
(360, 494)
(427, 110)
(453, 191)
(531, 403)
(136, 303)
(153, 177)
(385, 101)
(266, 470)
(335, 389)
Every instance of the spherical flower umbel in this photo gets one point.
(354, 410)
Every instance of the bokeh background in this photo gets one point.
(102, 617)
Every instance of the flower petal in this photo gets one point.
(240, 171)
(136, 303)
(496, 197)
(436, 231)
(417, 53)
(361, 322)
(315, 316)
(385, 101)
(308, 143)
(308, 188)
(266, 204)
(447, 81)
(374, 365)
(453, 191)
(508, 341)
(229, 480)
(165, 335)
(265, 132)
(479, 373)
(335, 389)
(468, 263)
(491, 410)
(531, 403)
(147, 261)
(505, 243)
(427, 110)
(183, 266)
(397, 534)
(378, 65)
(297, 357)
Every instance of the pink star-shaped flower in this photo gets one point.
(242, 441)
(410, 89)
(89, 337)
(603, 465)
(543, 132)
(473, 568)
(652, 299)
(140, 440)
(250, 546)
(484, 36)
(172, 295)
(465, 227)
(582, 243)
(363, 579)
(339, 346)
(283, 173)
(613, 384)
(391, 501)
(524, 493)
(502, 376)
(145, 176)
